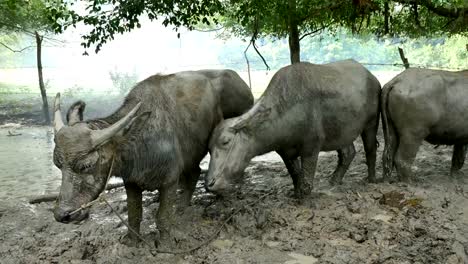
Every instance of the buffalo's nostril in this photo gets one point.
(66, 218)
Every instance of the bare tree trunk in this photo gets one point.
(294, 45)
(45, 105)
(386, 18)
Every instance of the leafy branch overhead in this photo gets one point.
(275, 17)
(110, 17)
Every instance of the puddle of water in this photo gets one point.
(26, 166)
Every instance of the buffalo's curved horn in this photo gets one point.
(100, 136)
(58, 123)
(257, 111)
(242, 121)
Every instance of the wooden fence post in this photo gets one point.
(403, 58)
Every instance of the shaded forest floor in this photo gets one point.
(422, 222)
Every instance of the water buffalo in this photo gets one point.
(156, 140)
(422, 104)
(305, 109)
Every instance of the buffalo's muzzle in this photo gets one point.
(218, 186)
(64, 215)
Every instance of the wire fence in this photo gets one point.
(23, 80)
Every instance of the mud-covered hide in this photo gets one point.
(423, 104)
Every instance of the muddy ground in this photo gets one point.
(423, 222)
(27, 109)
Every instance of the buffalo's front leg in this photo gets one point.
(165, 217)
(295, 171)
(345, 157)
(458, 159)
(309, 165)
(135, 212)
(188, 184)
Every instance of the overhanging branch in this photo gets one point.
(13, 50)
(316, 31)
(439, 10)
(252, 41)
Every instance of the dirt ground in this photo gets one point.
(423, 222)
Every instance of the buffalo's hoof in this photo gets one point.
(130, 240)
(302, 192)
(374, 180)
(335, 180)
(457, 175)
(168, 242)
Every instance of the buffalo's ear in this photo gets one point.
(75, 113)
(135, 126)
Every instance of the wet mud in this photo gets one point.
(422, 222)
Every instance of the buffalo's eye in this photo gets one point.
(87, 163)
(225, 141)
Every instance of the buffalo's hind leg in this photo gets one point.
(405, 155)
(458, 159)
(135, 213)
(369, 140)
(345, 157)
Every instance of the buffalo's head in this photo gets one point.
(84, 154)
(232, 146)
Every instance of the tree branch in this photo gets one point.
(316, 31)
(315, 11)
(16, 51)
(254, 37)
(208, 30)
(439, 10)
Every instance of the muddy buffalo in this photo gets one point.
(305, 109)
(422, 104)
(155, 140)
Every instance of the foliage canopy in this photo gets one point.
(255, 19)
(23, 16)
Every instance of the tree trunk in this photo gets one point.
(45, 105)
(294, 45)
(386, 18)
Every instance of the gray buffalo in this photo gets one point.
(305, 109)
(422, 104)
(156, 141)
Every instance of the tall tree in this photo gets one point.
(27, 17)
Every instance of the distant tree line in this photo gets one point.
(447, 52)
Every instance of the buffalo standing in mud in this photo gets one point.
(305, 109)
(422, 104)
(157, 139)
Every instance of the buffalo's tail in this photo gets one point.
(389, 131)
